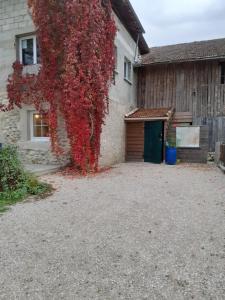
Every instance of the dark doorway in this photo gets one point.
(153, 146)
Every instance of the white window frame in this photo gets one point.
(127, 63)
(34, 37)
(33, 138)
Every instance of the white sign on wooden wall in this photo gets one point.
(188, 137)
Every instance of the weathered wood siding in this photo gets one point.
(134, 141)
(216, 127)
(188, 87)
(222, 154)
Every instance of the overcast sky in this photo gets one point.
(177, 21)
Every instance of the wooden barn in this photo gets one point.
(190, 78)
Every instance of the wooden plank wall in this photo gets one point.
(188, 87)
(134, 141)
(216, 129)
(195, 155)
(222, 153)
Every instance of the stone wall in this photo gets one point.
(14, 21)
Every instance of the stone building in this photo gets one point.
(29, 130)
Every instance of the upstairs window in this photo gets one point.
(29, 50)
(39, 127)
(116, 65)
(222, 73)
(127, 70)
(116, 57)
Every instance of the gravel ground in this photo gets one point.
(138, 231)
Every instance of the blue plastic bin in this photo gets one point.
(171, 156)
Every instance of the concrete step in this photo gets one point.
(40, 170)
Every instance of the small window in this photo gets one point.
(116, 65)
(127, 69)
(39, 127)
(116, 57)
(222, 73)
(29, 50)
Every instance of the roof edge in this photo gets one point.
(204, 50)
(167, 62)
(127, 15)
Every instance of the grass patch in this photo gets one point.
(32, 188)
(16, 184)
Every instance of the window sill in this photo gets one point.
(40, 140)
(128, 81)
(31, 69)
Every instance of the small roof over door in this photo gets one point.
(149, 114)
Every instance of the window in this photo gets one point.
(116, 65)
(39, 127)
(127, 69)
(29, 50)
(116, 57)
(222, 73)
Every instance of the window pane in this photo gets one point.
(38, 54)
(37, 119)
(45, 131)
(125, 69)
(45, 121)
(37, 131)
(129, 70)
(28, 51)
(116, 57)
(40, 125)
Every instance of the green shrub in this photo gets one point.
(15, 183)
(12, 175)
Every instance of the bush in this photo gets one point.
(12, 175)
(15, 183)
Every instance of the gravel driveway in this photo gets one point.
(138, 231)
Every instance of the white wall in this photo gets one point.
(122, 99)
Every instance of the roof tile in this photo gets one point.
(203, 50)
(143, 113)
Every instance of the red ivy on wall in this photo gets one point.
(76, 41)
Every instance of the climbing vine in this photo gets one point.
(76, 40)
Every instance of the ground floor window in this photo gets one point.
(39, 127)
